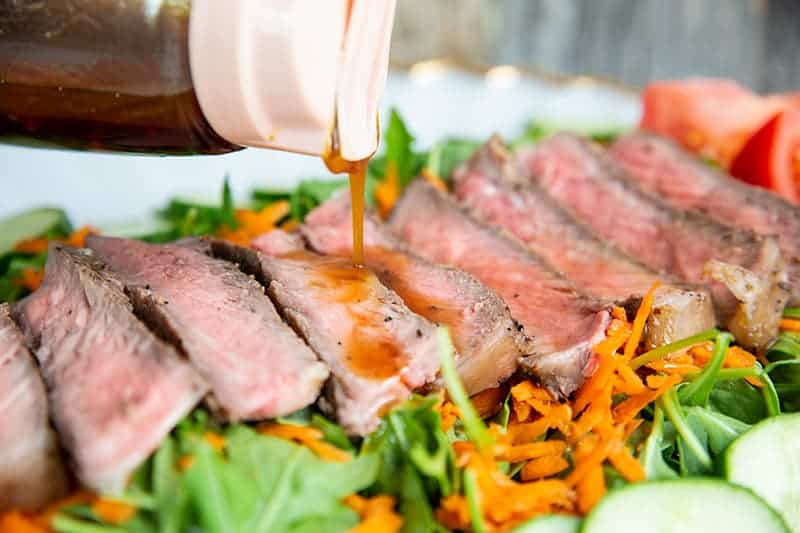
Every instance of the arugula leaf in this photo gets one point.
(417, 462)
(692, 448)
(399, 152)
(652, 457)
(720, 429)
(446, 155)
(473, 502)
(190, 219)
(738, 399)
(257, 484)
(698, 391)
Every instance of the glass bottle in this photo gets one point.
(193, 76)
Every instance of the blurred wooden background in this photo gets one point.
(754, 41)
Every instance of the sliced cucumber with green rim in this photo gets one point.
(31, 224)
(698, 505)
(766, 460)
(553, 523)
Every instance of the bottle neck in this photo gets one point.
(277, 73)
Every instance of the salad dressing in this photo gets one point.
(357, 170)
(372, 353)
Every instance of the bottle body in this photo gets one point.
(101, 75)
(194, 76)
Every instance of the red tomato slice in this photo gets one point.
(771, 158)
(712, 117)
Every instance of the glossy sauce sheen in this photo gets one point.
(372, 352)
(357, 171)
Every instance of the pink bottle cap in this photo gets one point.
(276, 73)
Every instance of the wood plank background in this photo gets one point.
(754, 41)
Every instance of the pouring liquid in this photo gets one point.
(357, 170)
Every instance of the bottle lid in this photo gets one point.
(278, 73)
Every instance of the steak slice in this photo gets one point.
(492, 186)
(677, 314)
(565, 323)
(378, 350)
(115, 389)
(487, 340)
(585, 179)
(31, 472)
(222, 320)
(677, 175)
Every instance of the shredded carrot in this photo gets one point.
(529, 431)
(789, 324)
(448, 413)
(543, 467)
(290, 225)
(630, 383)
(453, 512)
(327, 451)
(591, 488)
(639, 321)
(185, 462)
(387, 192)
(533, 450)
(627, 465)
(595, 384)
(215, 440)
(619, 313)
(31, 279)
(254, 223)
(16, 522)
(309, 437)
(290, 431)
(39, 245)
(377, 514)
(113, 512)
(627, 409)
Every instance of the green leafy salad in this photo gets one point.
(696, 435)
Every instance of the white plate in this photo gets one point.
(435, 99)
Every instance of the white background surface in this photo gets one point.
(436, 102)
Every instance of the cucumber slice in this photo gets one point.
(698, 505)
(553, 523)
(31, 224)
(766, 460)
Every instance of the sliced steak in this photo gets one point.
(585, 179)
(487, 340)
(378, 350)
(686, 181)
(678, 314)
(564, 322)
(256, 365)
(31, 472)
(492, 186)
(115, 389)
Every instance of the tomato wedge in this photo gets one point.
(712, 117)
(771, 158)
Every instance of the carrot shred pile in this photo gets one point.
(562, 448)
(377, 514)
(113, 512)
(693, 359)
(790, 324)
(32, 278)
(39, 245)
(387, 192)
(255, 223)
(16, 521)
(309, 437)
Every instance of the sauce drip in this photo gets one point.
(372, 351)
(358, 176)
